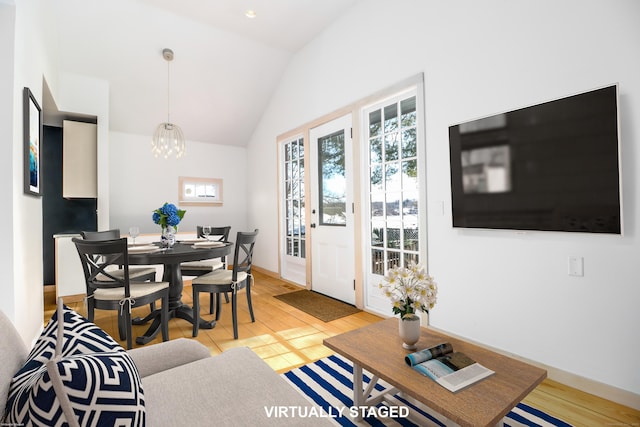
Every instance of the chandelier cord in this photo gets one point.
(168, 92)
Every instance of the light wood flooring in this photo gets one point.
(285, 338)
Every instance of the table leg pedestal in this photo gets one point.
(182, 311)
(185, 312)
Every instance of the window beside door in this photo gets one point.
(295, 240)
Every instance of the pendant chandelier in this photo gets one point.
(168, 139)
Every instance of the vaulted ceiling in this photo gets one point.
(225, 69)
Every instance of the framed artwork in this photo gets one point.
(32, 144)
(199, 191)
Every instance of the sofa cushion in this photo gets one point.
(76, 374)
(235, 388)
(156, 358)
(13, 353)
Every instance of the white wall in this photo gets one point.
(7, 123)
(140, 183)
(33, 47)
(504, 289)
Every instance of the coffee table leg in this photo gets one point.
(358, 395)
(361, 395)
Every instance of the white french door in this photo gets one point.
(393, 204)
(332, 219)
(294, 241)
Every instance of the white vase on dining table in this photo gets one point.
(168, 237)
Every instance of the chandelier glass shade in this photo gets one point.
(168, 139)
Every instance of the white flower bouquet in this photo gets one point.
(410, 289)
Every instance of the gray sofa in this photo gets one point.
(184, 385)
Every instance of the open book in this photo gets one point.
(452, 370)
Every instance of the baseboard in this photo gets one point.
(604, 391)
(276, 275)
(68, 299)
(266, 272)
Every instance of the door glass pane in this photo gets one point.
(377, 235)
(393, 238)
(377, 205)
(377, 262)
(408, 258)
(411, 239)
(376, 179)
(391, 147)
(393, 260)
(409, 143)
(288, 172)
(332, 182)
(375, 123)
(294, 198)
(390, 118)
(392, 176)
(408, 112)
(288, 246)
(410, 175)
(376, 150)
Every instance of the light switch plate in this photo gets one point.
(576, 266)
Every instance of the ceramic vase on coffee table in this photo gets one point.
(409, 329)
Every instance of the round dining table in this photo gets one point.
(171, 258)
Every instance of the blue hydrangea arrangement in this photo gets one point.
(168, 215)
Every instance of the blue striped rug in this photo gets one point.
(329, 383)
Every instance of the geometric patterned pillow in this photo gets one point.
(101, 389)
(81, 336)
(76, 375)
(22, 382)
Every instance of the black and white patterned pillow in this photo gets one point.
(76, 375)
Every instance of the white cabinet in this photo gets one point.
(79, 160)
(69, 274)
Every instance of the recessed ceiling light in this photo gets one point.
(250, 14)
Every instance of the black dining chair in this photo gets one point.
(198, 268)
(107, 290)
(221, 281)
(136, 274)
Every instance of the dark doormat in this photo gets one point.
(318, 305)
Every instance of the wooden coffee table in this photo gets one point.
(378, 349)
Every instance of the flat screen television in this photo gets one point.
(554, 166)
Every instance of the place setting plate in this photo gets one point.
(192, 241)
(143, 249)
(205, 244)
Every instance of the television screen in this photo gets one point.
(552, 166)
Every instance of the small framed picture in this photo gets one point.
(32, 144)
